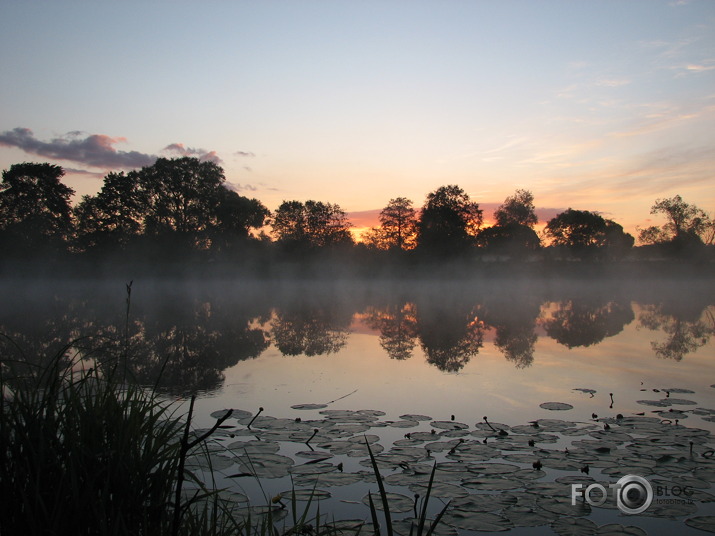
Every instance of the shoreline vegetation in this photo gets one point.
(85, 450)
(178, 217)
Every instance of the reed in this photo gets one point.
(84, 453)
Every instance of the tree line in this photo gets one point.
(183, 205)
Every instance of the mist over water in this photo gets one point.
(460, 347)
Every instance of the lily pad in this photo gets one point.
(614, 529)
(397, 503)
(574, 526)
(309, 406)
(306, 494)
(266, 465)
(706, 523)
(492, 483)
(587, 391)
(556, 406)
(527, 516)
(415, 417)
(449, 425)
(480, 521)
(655, 403)
(235, 413)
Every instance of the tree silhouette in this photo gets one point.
(517, 209)
(114, 216)
(398, 227)
(513, 233)
(449, 221)
(582, 232)
(310, 225)
(182, 196)
(35, 206)
(687, 225)
(236, 217)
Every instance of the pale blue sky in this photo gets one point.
(600, 106)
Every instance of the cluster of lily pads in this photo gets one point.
(493, 476)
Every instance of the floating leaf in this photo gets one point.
(655, 403)
(402, 424)
(449, 425)
(706, 523)
(309, 406)
(440, 489)
(235, 413)
(681, 401)
(614, 529)
(306, 494)
(266, 465)
(253, 447)
(574, 526)
(562, 506)
(491, 483)
(556, 406)
(527, 516)
(396, 502)
(414, 417)
(481, 521)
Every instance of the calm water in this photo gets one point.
(451, 351)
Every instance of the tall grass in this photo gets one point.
(85, 452)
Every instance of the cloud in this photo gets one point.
(202, 154)
(96, 150)
(699, 68)
(75, 171)
(236, 187)
(246, 154)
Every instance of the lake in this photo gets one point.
(612, 375)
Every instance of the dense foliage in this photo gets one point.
(179, 209)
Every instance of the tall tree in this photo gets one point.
(398, 226)
(583, 230)
(34, 205)
(513, 233)
(312, 224)
(238, 215)
(182, 195)
(517, 209)
(114, 216)
(449, 221)
(686, 224)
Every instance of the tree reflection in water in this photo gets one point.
(514, 320)
(398, 328)
(450, 334)
(687, 327)
(186, 338)
(308, 332)
(587, 321)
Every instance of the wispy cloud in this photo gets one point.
(237, 187)
(202, 154)
(246, 154)
(96, 150)
(699, 68)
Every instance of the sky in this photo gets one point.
(603, 106)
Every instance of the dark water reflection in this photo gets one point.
(188, 334)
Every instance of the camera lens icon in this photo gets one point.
(634, 494)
